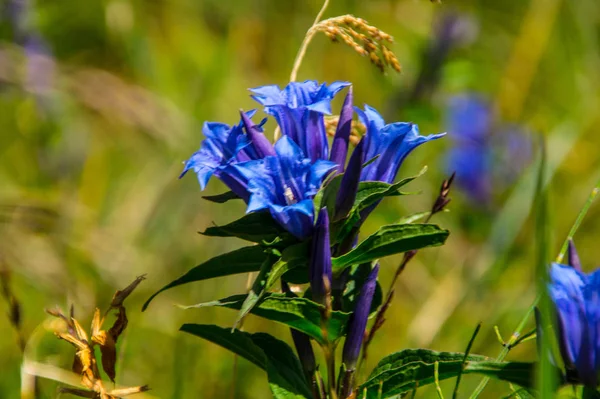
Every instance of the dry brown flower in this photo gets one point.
(85, 362)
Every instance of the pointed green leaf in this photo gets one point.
(327, 195)
(403, 371)
(255, 227)
(283, 368)
(221, 198)
(369, 192)
(521, 393)
(519, 373)
(286, 378)
(235, 341)
(243, 260)
(293, 259)
(390, 240)
(413, 218)
(299, 313)
(257, 290)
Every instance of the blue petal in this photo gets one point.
(297, 218)
(369, 117)
(322, 107)
(268, 95)
(335, 87)
(318, 171)
(287, 149)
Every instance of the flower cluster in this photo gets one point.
(284, 177)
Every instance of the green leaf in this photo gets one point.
(292, 257)
(293, 264)
(298, 313)
(235, 341)
(327, 195)
(519, 373)
(413, 218)
(369, 192)
(389, 240)
(221, 198)
(257, 290)
(283, 368)
(521, 393)
(255, 227)
(243, 260)
(403, 371)
(286, 377)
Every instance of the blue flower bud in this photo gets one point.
(349, 186)
(339, 147)
(320, 260)
(358, 321)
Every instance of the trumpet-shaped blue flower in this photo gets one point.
(224, 145)
(299, 109)
(358, 321)
(285, 185)
(391, 144)
(576, 296)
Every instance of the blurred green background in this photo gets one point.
(102, 100)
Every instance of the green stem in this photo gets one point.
(307, 38)
(578, 221)
(330, 360)
(507, 347)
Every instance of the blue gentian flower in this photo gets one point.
(320, 259)
(224, 145)
(299, 110)
(391, 144)
(576, 297)
(285, 185)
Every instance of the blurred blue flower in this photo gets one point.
(320, 259)
(285, 185)
(223, 146)
(484, 155)
(576, 298)
(299, 109)
(391, 144)
(40, 67)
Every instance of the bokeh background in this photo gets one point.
(102, 100)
